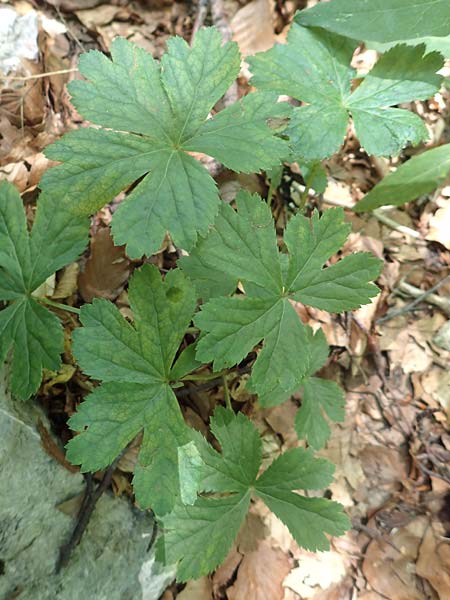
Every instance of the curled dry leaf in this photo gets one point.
(316, 572)
(252, 27)
(261, 574)
(106, 271)
(67, 284)
(390, 567)
(440, 226)
(224, 573)
(434, 562)
(198, 589)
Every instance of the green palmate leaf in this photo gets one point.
(26, 260)
(314, 175)
(134, 363)
(432, 44)
(380, 20)
(158, 113)
(314, 67)
(242, 247)
(418, 176)
(320, 397)
(199, 536)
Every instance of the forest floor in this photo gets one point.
(392, 357)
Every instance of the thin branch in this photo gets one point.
(202, 11)
(39, 75)
(72, 309)
(92, 496)
(380, 216)
(226, 392)
(420, 296)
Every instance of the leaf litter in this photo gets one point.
(392, 451)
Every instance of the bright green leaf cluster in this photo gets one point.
(153, 116)
(26, 261)
(134, 362)
(242, 247)
(199, 536)
(314, 67)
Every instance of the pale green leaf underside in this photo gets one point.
(158, 112)
(380, 20)
(419, 175)
(199, 537)
(134, 362)
(314, 67)
(26, 260)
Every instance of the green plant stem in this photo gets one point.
(205, 377)
(192, 330)
(308, 181)
(226, 392)
(66, 307)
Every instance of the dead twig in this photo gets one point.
(373, 534)
(38, 75)
(379, 215)
(420, 296)
(202, 11)
(91, 497)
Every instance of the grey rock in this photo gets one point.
(111, 563)
(18, 35)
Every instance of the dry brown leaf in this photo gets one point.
(390, 569)
(106, 269)
(316, 571)
(100, 15)
(253, 530)
(224, 573)
(260, 575)
(440, 226)
(434, 562)
(252, 27)
(385, 468)
(67, 284)
(72, 5)
(281, 419)
(342, 450)
(199, 589)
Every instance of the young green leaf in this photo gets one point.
(199, 536)
(432, 44)
(322, 77)
(320, 397)
(242, 247)
(380, 20)
(134, 363)
(419, 175)
(159, 114)
(314, 175)
(26, 261)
